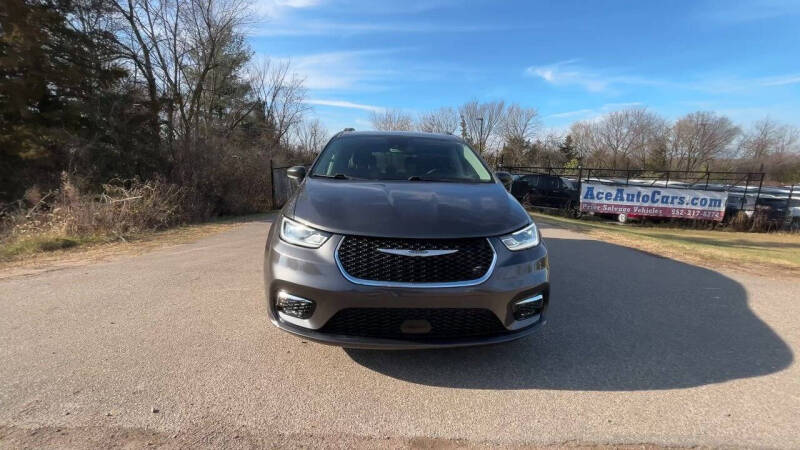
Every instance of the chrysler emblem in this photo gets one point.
(403, 252)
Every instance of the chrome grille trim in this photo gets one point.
(450, 284)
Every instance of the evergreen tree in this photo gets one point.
(464, 134)
(567, 149)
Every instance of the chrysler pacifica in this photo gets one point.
(404, 240)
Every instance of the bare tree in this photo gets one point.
(583, 139)
(519, 124)
(629, 137)
(650, 134)
(616, 136)
(179, 47)
(482, 121)
(545, 149)
(391, 120)
(767, 137)
(517, 129)
(699, 137)
(281, 93)
(310, 137)
(443, 120)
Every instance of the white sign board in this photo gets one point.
(653, 201)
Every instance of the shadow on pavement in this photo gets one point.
(619, 319)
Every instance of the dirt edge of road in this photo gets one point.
(119, 437)
(79, 256)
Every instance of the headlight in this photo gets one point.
(525, 238)
(299, 234)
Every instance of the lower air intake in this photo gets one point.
(415, 323)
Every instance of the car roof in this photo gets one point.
(413, 134)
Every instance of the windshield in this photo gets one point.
(400, 158)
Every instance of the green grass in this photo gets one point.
(756, 251)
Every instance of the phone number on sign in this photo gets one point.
(695, 213)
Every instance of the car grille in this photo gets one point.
(391, 323)
(360, 259)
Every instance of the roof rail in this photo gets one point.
(346, 130)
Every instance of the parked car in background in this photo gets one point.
(549, 191)
(775, 210)
(794, 214)
(736, 204)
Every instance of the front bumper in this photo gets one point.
(313, 274)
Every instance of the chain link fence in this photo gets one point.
(774, 206)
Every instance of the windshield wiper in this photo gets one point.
(438, 180)
(338, 176)
(419, 178)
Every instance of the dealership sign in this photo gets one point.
(653, 201)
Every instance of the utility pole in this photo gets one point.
(480, 137)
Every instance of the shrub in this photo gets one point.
(65, 217)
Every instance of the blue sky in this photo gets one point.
(571, 60)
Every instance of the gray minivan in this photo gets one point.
(404, 240)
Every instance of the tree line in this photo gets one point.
(169, 90)
(631, 138)
(145, 89)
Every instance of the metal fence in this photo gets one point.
(747, 191)
(282, 186)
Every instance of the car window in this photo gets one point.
(549, 183)
(772, 202)
(401, 158)
(531, 180)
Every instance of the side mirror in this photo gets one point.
(296, 173)
(505, 178)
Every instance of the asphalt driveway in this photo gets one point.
(173, 348)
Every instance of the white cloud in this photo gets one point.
(565, 73)
(588, 114)
(618, 106)
(348, 70)
(571, 114)
(309, 27)
(344, 104)
(731, 84)
(568, 73)
(365, 70)
(276, 8)
(781, 80)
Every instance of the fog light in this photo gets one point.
(294, 306)
(529, 307)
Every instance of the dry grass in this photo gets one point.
(762, 253)
(103, 250)
(67, 218)
(66, 226)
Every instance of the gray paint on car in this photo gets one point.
(407, 208)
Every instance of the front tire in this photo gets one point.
(526, 201)
(622, 218)
(573, 210)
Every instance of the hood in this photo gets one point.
(414, 209)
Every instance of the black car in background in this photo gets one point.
(738, 204)
(544, 190)
(775, 210)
